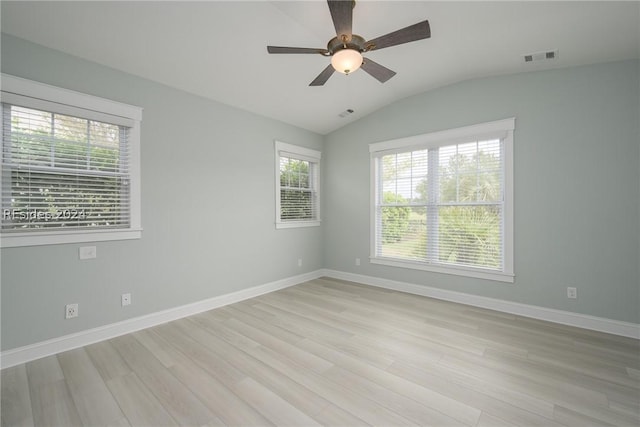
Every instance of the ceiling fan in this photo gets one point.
(346, 48)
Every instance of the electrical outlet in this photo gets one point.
(357, 261)
(71, 311)
(299, 262)
(126, 299)
(572, 293)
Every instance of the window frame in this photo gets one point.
(291, 151)
(32, 94)
(502, 129)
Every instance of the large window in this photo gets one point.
(69, 166)
(444, 201)
(297, 186)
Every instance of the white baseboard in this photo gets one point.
(35, 351)
(626, 329)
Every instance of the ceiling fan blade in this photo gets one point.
(342, 16)
(382, 74)
(323, 76)
(283, 49)
(414, 32)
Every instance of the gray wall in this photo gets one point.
(208, 197)
(577, 184)
(207, 210)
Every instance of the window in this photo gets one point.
(444, 201)
(70, 166)
(297, 186)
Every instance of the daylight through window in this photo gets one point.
(297, 195)
(444, 203)
(65, 170)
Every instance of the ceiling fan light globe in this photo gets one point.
(346, 61)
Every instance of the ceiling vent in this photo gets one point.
(345, 113)
(541, 56)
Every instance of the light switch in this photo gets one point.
(87, 252)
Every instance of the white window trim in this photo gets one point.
(300, 153)
(500, 128)
(36, 94)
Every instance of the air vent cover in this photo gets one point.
(541, 56)
(345, 113)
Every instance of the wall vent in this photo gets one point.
(541, 56)
(345, 113)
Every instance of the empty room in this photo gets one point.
(337, 213)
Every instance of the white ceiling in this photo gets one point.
(218, 50)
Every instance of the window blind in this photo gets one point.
(61, 170)
(298, 196)
(442, 205)
(443, 201)
(297, 186)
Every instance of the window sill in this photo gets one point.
(14, 240)
(457, 271)
(297, 224)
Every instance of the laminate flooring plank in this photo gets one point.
(617, 356)
(437, 313)
(229, 335)
(51, 402)
(216, 366)
(294, 393)
(338, 417)
(623, 394)
(470, 389)
(266, 329)
(592, 403)
(92, 398)
(630, 409)
(16, 402)
(53, 405)
(107, 360)
(139, 405)
(430, 398)
(44, 371)
(488, 420)
(357, 405)
(394, 320)
(304, 325)
(434, 322)
(294, 352)
(318, 301)
(177, 399)
(277, 308)
(594, 368)
(221, 400)
(272, 406)
(348, 343)
(573, 418)
(398, 349)
(380, 342)
(159, 347)
(392, 400)
(633, 373)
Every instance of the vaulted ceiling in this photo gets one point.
(217, 49)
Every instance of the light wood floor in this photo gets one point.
(329, 352)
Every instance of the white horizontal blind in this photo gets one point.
(442, 205)
(63, 171)
(470, 204)
(298, 193)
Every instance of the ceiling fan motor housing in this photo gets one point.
(336, 44)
